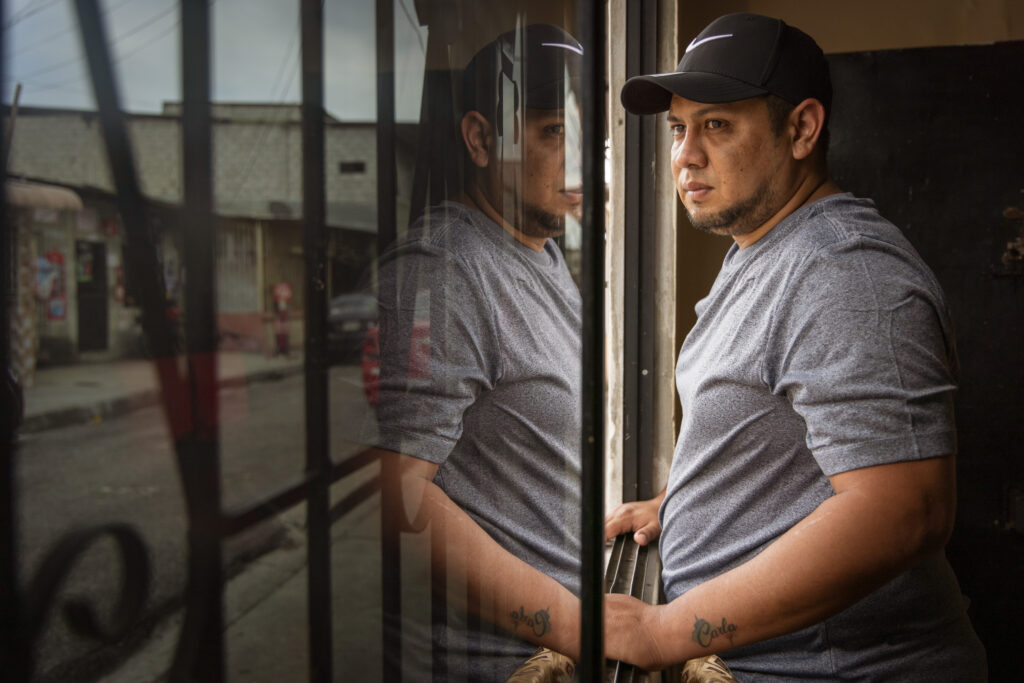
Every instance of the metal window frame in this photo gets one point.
(640, 266)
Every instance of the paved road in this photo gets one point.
(123, 469)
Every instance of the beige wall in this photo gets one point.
(838, 26)
(842, 26)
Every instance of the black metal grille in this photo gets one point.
(189, 397)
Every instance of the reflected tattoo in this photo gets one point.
(704, 632)
(539, 622)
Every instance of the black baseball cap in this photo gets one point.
(549, 55)
(736, 57)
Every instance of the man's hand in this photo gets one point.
(632, 633)
(640, 517)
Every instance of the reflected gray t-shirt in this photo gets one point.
(490, 392)
(823, 347)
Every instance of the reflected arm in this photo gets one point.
(500, 588)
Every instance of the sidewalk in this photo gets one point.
(84, 392)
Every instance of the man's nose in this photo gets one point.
(688, 151)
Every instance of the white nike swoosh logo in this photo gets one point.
(697, 43)
(574, 48)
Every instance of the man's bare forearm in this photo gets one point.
(877, 525)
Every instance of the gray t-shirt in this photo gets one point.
(823, 347)
(495, 401)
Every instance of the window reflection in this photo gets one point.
(453, 349)
(477, 392)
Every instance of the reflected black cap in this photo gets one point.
(736, 57)
(548, 54)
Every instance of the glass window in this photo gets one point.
(299, 308)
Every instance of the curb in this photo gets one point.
(102, 410)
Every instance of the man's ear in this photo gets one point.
(477, 136)
(806, 122)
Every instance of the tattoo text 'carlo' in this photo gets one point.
(540, 622)
(704, 632)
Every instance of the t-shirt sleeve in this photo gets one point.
(861, 346)
(437, 352)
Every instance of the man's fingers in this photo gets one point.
(647, 533)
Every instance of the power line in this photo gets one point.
(27, 11)
(60, 34)
(75, 60)
(117, 60)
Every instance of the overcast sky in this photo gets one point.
(255, 54)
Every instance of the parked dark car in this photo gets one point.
(348, 319)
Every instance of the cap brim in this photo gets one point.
(653, 94)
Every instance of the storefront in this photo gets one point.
(71, 294)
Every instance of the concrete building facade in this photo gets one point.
(257, 177)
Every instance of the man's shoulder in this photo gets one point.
(451, 229)
(841, 217)
(450, 224)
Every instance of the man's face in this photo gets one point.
(544, 183)
(728, 164)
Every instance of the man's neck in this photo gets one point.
(473, 197)
(810, 190)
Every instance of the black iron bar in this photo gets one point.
(355, 498)
(632, 178)
(387, 220)
(234, 521)
(314, 249)
(15, 655)
(199, 451)
(592, 36)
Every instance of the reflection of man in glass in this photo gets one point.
(480, 433)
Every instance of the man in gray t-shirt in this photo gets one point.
(479, 418)
(812, 488)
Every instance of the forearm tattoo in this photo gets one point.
(539, 622)
(704, 633)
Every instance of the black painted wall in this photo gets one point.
(934, 136)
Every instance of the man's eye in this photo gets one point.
(556, 129)
(715, 123)
(678, 130)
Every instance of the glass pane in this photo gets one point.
(452, 340)
(464, 334)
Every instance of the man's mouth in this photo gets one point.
(574, 195)
(696, 191)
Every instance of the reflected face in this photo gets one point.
(546, 185)
(728, 164)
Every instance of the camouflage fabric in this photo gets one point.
(548, 666)
(710, 669)
(545, 666)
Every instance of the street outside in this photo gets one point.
(123, 469)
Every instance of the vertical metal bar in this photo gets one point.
(592, 36)
(631, 268)
(15, 655)
(314, 248)
(391, 568)
(387, 220)
(199, 450)
(640, 273)
(647, 230)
